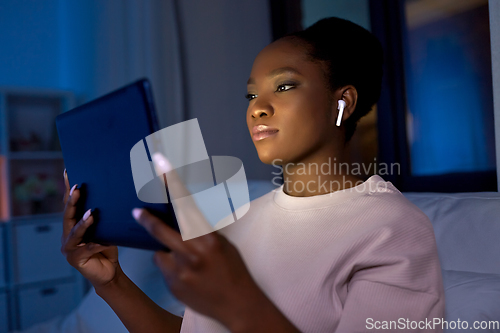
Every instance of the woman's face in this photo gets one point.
(291, 112)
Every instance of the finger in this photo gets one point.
(166, 263)
(76, 234)
(70, 208)
(66, 184)
(160, 231)
(82, 254)
(192, 223)
(93, 248)
(176, 186)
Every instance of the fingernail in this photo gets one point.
(86, 215)
(162, 162)
(136, 213)
(72, 189)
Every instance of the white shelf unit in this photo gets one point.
(4, 317)
(36, 282)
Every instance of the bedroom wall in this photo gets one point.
(222, 38)
(29, 38)
(92, 47)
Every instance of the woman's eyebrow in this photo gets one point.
(282, 70)
(276, 72)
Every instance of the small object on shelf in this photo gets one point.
(33, 143)
(34, 193)
(31, 120)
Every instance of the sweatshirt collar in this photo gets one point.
(371, 185)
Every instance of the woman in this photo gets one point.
(325, 252)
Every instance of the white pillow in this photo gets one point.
(471, 297)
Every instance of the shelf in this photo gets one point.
(36, 218)
(31, 209)
(33, 155)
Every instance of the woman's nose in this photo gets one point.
(260, 113)
(260, 110)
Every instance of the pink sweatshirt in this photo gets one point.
(350, 261)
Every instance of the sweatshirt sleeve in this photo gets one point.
(396, 283)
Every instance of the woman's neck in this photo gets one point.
(318, 176)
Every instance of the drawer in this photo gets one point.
(38, 253)
(43, 303)
(2, 259)
(4, 318)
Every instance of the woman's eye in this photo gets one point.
(250, 96)
(285, 87)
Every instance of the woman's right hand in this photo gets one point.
(96, 262)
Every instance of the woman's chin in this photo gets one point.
(270, 158)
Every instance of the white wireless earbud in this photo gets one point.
(341, 111)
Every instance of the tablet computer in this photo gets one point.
(96, 139)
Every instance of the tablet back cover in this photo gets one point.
(96, 139)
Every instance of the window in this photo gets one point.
(436, 109)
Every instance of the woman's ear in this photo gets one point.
(349, 95)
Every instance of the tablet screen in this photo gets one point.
(96, 139)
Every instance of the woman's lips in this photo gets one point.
(261, 132)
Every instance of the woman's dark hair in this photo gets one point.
(352, 56)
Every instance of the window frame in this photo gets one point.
(387, 21)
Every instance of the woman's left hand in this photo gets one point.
(206, 273)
